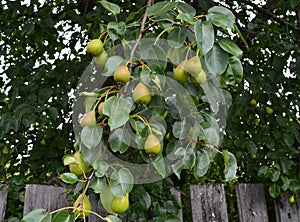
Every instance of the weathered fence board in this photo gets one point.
(284, 212)
(177, 196)
(252, 203)
(3, 201)
(208, 203)
(44, 196)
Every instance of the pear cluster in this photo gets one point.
(190, 69)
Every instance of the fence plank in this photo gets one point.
(3, 200)
(252, 203)
(177, 196)
(44, 196)
(285, 212)
(208, 203)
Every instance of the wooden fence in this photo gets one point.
(208, 203)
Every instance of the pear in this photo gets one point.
(200, 77)
(101, 59)
(152, 145)
(80, 166)
(180, 74)
(141, 94)
(95, 47)
(120, 204)
(193, 66)
(100, 108)
(84, 209)
(89, 119)
(122, 74)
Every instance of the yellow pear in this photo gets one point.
(141, 94)
(200, 77)
(152, 145)
(100, 108)
(95, 47)
(84, 209)
(120, 204)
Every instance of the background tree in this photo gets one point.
(43, 56)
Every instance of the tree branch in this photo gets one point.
(270, 14)
(140, 36)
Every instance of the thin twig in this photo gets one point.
(140, 36)
(270, 14)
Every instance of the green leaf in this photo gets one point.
(294, 185)
(274, 190)
(106, 198)
(98, 184)
(113, 218)
(28, 28)
(64, 216)
(185, 8)
(216, 60)
(112, 64)
(172, 218)
(221, 17)
(37, 215)
(234, 71)
(116, 30)
(118, 110)
(111, 7)
(160, 166)
(289, 139)
(101, 167)
(91, 136)
(145, 199)
(202, 164)
(230, 165)
(177, 37)
(70, 178)
(119, 140)
(205, 36)
(160, 8)
(231, 47)
(121, 182)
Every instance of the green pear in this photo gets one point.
(101, 59)
(193, 66)
(141, 94)
(95, 47)
(152, 145)
(122, 74)
(80, 167)
(120, 204)
(89, 119)
(180, 74)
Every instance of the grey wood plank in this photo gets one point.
(3, 200)
(252, 203)
(285, 212)
(208, 203)
(177, 196)
(47, 197)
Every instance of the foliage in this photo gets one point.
(43, 53)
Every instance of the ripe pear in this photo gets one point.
(84, 209)
(152, 145)
(122, 74)
(95, 47)
(89, 119)
(200, 77)
(80, 166)
(100, 108)
(193, 66)
(180, 74)
(101, 59)
(120, 204)
(141, 94)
